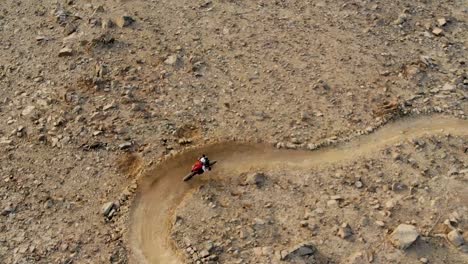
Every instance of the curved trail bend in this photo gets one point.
(163, 189)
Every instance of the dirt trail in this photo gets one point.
(163, 188)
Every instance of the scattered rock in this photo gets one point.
(123, 21)
(28, 110)
(441, 22)
(336, 197)
(296, 141)
(126, 145)
(390, 204)
(258, 221)
(455, 238)
(42, 138)
(107, 208)
(267, 251)
(184, 141)
(257, 178)
(137, 107)
(437, 31)
(428, 61)
(380, 223)
(464, 248)
(41, 38)
(304, 116)
(396, 156)
(404, 236)
(424, 260)
(107, 23)
(5, 141)
(257, 251)
(280, 145)
(332, 203)
(399, 187)
(109, 106)
(301, 250)
(360, 257)
(344, 231)
(401, 19)
(204, 253)
(73, 38)
(65, 52)
(448, 87)
(358, 184)
(99, 9)
(7, 210)
(172, 59)
(70, 28)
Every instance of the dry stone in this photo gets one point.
(123, 21)
(301, 250)
(257, 178)
(455, 238)
(107, 208)
(65, 52)
(404, 236)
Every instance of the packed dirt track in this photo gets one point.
(162, 189)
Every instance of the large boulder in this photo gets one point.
(404, 236)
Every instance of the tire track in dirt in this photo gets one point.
(162, 189)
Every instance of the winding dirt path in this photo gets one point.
(163, 189)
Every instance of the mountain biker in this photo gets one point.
(201, 165)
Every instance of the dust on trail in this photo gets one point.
(163, 189)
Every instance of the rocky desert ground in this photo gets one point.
(346, 212)
(339, 127)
